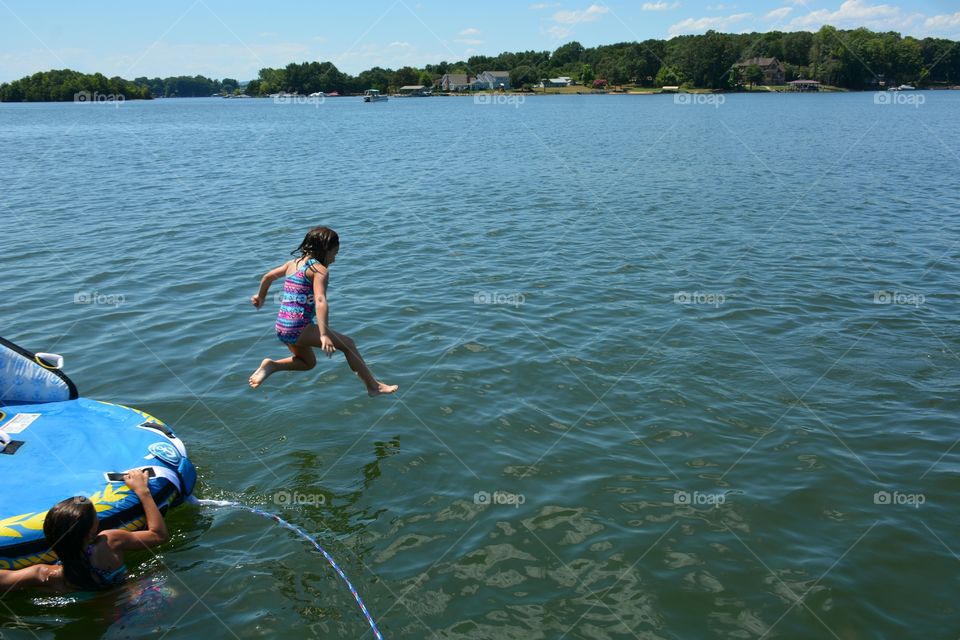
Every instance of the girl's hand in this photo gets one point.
(327, 345)
(136, 480)
(257, 302)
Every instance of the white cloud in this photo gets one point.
(659, 6)
(857, 13)
(558, 32)
(401, 45)
(721, 7)
(778, 14)
(698, 25)
(591, 13)
(943, 24)
(470, 32)
(469, 41)
(544, 5)
(849, 15)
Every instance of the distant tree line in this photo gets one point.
(188, 87)
(66, 86)
(851, 59)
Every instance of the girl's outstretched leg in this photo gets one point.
(311, 337)
(349, 347)
(302, 359)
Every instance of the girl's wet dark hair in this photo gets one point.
(316, 243)
(66, 527)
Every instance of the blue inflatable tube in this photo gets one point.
(55, 445)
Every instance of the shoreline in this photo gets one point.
(523, 94)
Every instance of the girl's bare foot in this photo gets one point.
(381, 389)
(267, 367)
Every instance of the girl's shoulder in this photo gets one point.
(314, 268)
(110, 541)
(293, 266)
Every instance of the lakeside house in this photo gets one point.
(773, 72)
(803, 85)
(492, 80)
(454, 82)
(562, 81)
(488, 80)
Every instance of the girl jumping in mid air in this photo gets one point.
(302, 321)
(89, 560)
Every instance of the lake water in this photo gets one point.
(666, 370)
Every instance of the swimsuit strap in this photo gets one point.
(106, 577)
(306, 266)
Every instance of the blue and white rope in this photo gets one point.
(316, 545)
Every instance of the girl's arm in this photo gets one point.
(323, 310)
(265, 282)
(156, 533)
(39, 576)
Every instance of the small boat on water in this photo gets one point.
(903, 87)
(374, 95)
(317, 94)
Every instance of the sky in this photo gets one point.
(224, 38)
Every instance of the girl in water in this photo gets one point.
(89, 561)
(302, 322)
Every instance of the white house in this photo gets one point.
(562, 81)
(492, 80)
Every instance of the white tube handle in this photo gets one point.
(55, 359)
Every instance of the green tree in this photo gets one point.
(523, 77)
(64, 85)
(406, 76)
(668, 77)
(855, 59)
(566, 54)
(375, 78)
(586, 75)
(734, 77)
(754, 75)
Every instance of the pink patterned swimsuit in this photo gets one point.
(297, 307)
